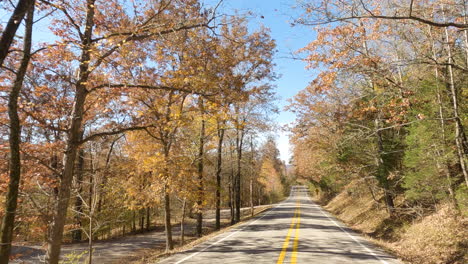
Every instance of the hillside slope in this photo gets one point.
(439, 237)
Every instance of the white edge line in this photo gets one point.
(226, 237)
(351, 236)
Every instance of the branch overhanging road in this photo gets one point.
(295, 231)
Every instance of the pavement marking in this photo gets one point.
(226, 237)
(351, 236)
(294, 225)
(286, 240)
(296, 238)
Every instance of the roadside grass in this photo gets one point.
(436, 238)
(191, 241)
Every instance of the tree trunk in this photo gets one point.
(446, 168)
(104, 175)
(465, 32)
(231, 187)
(73, 138)
(460, 137)
(200, 171)
(382, 177)
(239, 142)
(142, 219)
(77, 234)
(133, 221)
(167, 219)
(90, 240)
(381, 174)
(251, 176)
(218, 174)
(12, 26)
(148, 218)
(11, 198)
(182, 222)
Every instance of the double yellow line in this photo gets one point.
(295, 224)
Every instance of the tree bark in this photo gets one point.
(380, 167)
(218, 174)
(239, 143)
(77, 234)
(231, 187)
(381, 173)
(142, 219)
(167, 219)
(90, 239)
(11, 198)
(465, 31)
(12, 26)
(182, 222)
(446, 168)
(460, 137)
(73, 140)
(200, 171)
(251, 176)
(148, 218)
(133, 221)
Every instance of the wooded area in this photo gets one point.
(133, 114)
(118, 116)
(388, 110)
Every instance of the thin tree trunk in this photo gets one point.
(11, 198)
(133, 221)
(446, 168)
(148, 218)
(167, 201)
(12, 26)
(90, 241)
(200, 171)
(218, 175)
(239, 142)
(104, 175)
(167, 219)
(231, 187)
(77, 233)
(465, 32)
(182, 222)
(55, 239)
(252, 171)
(381, 174)
(380, 167)
(460, 138)
(142, 219)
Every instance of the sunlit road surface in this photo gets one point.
(295, 231)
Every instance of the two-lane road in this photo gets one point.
(295, 231)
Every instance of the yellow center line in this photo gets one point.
(296, 237)
(294, 223)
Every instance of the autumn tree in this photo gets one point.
(8, 221)
(383, 67)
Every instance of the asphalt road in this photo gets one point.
(295, 231)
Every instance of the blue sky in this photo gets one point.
(276, 15)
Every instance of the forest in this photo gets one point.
(131, 114)
(383, 125)
(121, 116)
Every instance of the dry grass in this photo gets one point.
(441, 237)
